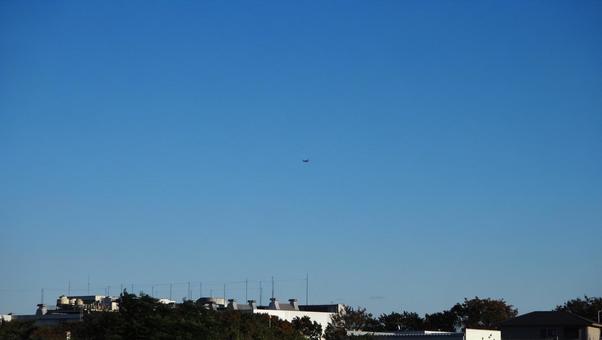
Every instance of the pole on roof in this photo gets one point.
(170, 291)
(272, 287)
(69, 288)
(88, 284)
(42, 296)
(200, 290)
(246, 289)
(306, 288)
(260, 293)
(224, 293)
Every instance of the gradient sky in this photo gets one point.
(455, 150)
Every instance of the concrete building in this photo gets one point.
(321, 314)
(555, 325)
(68, 309)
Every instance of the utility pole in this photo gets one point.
(260, 293)
(306, 289)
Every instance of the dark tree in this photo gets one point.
(350, 319)
(404, 321)
(304, 325)
(482, 313)
(587, 307)
(441, 321)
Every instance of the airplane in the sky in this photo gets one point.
(305, 160)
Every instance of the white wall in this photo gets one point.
(288, 315)
(482, 334)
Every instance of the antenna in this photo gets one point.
(246, 289)
(170, 290)
(200, 290)
(153, 291)
(272, 287)
(69, 288)
(132, 289)
(189, 292)
(260, 293)
(88, 284)
(306, 289)
(108, 290)
(224, 293)
(42, 296)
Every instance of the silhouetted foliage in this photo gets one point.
(304, 325)
(143, 317)
(441, 321)
(482, 313)
(404, 321)
(587, 307)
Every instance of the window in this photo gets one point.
(548, 333)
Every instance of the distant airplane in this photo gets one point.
(305, 160)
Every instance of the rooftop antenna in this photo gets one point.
(42, 296)
(272, 287)
(189, 292)
(69, 288)
(200, 290)
(88, 284)
(306, 288)
(224, 293)
(246, 289)
(153, 291)
(170, 290)
(260, 293)
(108, 290)
(121, 288)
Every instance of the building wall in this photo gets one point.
(482, 334)
(593, 333)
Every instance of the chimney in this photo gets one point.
(232, 304)
(274, 304)
(294, 303)
(252, 304)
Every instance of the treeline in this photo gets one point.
(472, 313)
(144, 317)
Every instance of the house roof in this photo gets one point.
(549, 318)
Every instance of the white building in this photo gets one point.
(321, 314)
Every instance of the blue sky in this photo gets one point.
(455, 149)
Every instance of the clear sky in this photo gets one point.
(455, 150)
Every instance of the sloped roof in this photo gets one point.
(550, 318)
